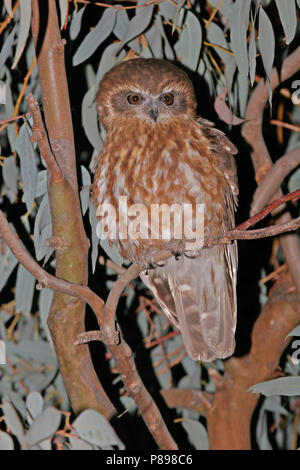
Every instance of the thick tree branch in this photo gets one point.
(252, 129)
(273, 179)
(230, 416)
(252, 132)
(66, 317)
(195, 400)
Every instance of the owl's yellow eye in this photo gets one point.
(135, 98)
(167, 98)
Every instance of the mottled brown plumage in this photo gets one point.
(157, 151)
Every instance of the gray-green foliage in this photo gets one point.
(36, 428)
(239, 39)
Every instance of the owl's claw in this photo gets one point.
(176, 247)
(147, 261)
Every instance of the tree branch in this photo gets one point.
(273, 179)
(252, 133)
(106, 314)
(66, 317)
(230, 416)
(121, 352)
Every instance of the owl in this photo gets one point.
(158, 153)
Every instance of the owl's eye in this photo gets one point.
(167, 98)
(134, 98)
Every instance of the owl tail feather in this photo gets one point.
(199, 297)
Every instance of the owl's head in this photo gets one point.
(151, 90)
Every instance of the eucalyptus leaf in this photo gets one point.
(238, 35)
(12, 420)
(10, 174)
(95, 241)
(34, 403)
(28, 165)
(167, 10)
(45, 425)
(75, 25)
(197, 434)
(252, 54)
(8, 7)
(138, 23)
(121, 25)
(8, 262)
(6, 49)
(42, 228)
(178, 10)
(295, 332)
(288, 17)
(25, 285)
(24, 27)
(6, 441)
(111, 251)
(190, 40)
(95, 37)
(63, 8)
(288, 386)
(94, 428)
(266, 41)
(41, 186)
(109, 58)
(90, 120)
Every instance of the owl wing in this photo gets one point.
(199, 295)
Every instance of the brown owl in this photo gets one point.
(158, 153)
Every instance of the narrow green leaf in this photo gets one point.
(252, 54)
(34, 403)
(25, 284)
(26, 153)
(238, 36)
(8, 262)
(45, 425)
(121, 25)
(197, 434)
(10, 174)
(266, 41)
(63, 8)
(6, 442)
(75, 25)
(12, 420)
(109, 58)
(25, 17)
(95, 37)
(138, 23)
(188, 46)
(8, 7)
(175, 19)
(295, 332)
(89, 119)
(6, 49)
(288, 17)
(287, 386)
(94, 428)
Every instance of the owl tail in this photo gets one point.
(199, 297)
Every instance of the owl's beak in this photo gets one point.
(153, 112)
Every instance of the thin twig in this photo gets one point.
(39, 135)
(287, 125)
